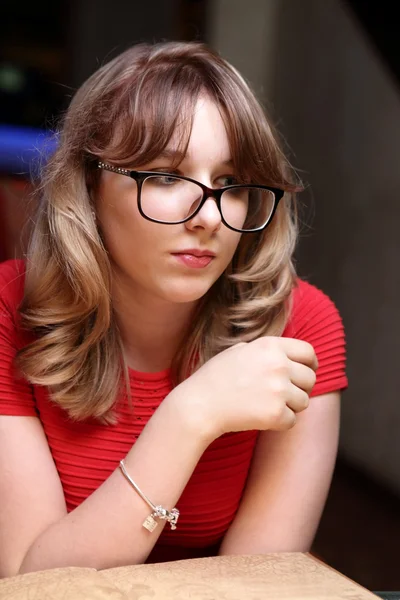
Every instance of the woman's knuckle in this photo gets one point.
(288, 420)
(310, 381)
(278, 364)
(278, 386)
(306, 400)
(279, 411)
(313, 379)
(312, 355)
(268, 340)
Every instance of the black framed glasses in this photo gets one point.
(171, 199)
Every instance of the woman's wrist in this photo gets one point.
(191, 413)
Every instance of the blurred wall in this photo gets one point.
(246, 36)
(99, 30)
(339, 109)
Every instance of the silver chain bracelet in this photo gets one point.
(150, 523)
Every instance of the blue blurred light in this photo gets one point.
(23, 150)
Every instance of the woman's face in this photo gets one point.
(152, 259)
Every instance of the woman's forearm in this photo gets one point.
(106, 529)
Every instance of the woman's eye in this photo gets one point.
(228, 180)
(163, 180)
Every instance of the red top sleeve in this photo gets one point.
(315, 319)
(16, 394)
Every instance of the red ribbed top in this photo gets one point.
(86, 453)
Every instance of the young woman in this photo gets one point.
(158, 321)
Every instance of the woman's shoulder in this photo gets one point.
(315, 319)
(16, 396)
(312, 310)
(12, 278)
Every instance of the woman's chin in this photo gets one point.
(183, 294)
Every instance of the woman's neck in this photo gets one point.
(151, 329)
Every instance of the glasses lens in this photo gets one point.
(169, 199)
(247, 208)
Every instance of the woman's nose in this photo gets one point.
(208, 217)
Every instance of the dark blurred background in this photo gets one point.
(328, 72)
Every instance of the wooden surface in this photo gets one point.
(293, 576)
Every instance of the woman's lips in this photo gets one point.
(192, 261)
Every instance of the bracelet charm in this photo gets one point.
(159, 511)
(150, 523)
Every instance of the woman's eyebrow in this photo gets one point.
(173, 154)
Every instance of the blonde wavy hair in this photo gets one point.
(126, 113)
